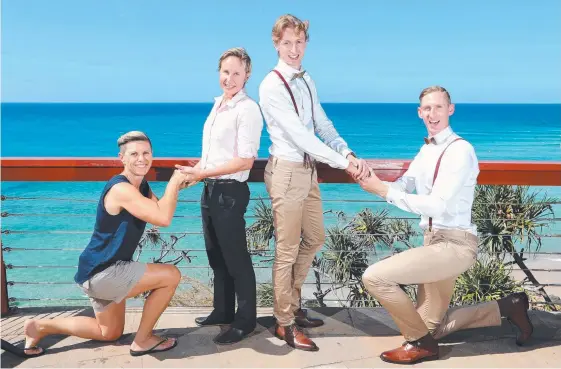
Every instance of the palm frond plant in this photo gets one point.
(400, 231)
(350, 248)
(168, 254)
(508, 216)
(261, 232)
(344, 258)
(487, 280)
(153, 239)
(265, 295)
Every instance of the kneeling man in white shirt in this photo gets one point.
(443, 175)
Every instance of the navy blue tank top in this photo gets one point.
(115, 237)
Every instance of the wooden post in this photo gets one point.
(4, 287)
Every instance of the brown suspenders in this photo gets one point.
(436, 172)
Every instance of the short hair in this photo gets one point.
(132, 136)
(432, 89)
(238, 52)
(289, 21)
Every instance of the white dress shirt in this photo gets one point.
(292, 133)
(232, 129)
(449, 201)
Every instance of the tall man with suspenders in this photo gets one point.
(443, 175)
(290, 106)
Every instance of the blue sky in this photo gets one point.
(360, 51)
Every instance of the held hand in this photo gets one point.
(373, 184)
(352, 171)
(193, 174)
(362, 168)
(178, 178)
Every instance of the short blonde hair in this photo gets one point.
(432, 89)
(132, 136)
(240, 53)
(289, 21)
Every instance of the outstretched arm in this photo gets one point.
(454, 171)
(279, 106)
(160, 213)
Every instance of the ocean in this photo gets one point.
(64, 221)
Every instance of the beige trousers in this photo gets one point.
(299, 231)
(434, 267)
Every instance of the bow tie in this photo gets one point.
(298, 75)
(429, 141)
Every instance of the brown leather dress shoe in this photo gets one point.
(515, 307)
(423, 349)
(302, 319)
(295, 337)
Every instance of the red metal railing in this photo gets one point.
(101, 169)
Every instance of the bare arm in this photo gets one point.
(159, 213)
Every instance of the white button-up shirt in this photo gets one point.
(232, 129)
(449, 201)
(292, 134)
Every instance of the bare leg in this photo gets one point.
(162, 280)
(106, 326)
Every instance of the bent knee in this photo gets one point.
(173, 275)
(111, 333)
(374, 276)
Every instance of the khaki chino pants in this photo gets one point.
(434, 267)
(299, 231)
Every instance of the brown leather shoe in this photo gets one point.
(295, 337)
(423, 349)
(515, 307)
(302, 319)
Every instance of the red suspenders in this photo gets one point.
(436, 172)
(307, 159)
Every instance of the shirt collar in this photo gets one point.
(286, 69)
(443, 135)
(233, 101)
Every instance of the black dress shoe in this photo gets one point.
(515, 308)
(302, 319)
(229, 337)
(206, 321)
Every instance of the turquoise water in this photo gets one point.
(498, 132)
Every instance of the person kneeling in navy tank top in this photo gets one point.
(106, 271)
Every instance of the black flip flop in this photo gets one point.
(7, 346)
(153, 349)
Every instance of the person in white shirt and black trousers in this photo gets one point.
(294, 115)
(231, 136)
(443, 175)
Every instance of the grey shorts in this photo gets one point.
(113, 284)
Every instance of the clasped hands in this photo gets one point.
(358, 169)
(188, 176)
(365, 176)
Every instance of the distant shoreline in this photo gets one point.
(210, 102)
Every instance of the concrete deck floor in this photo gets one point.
(351, 338)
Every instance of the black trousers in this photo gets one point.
(223, 205)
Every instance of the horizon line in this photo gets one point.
(323, 102)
